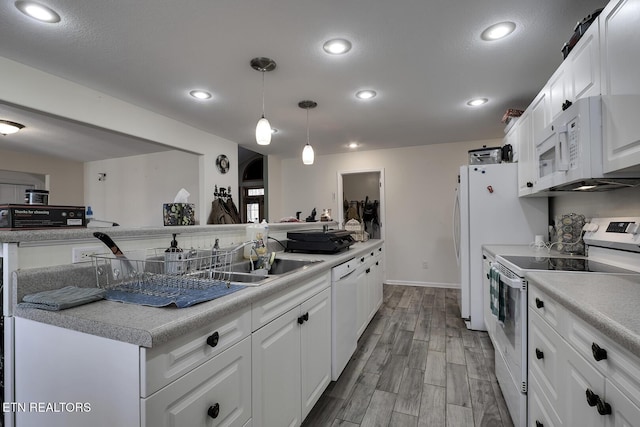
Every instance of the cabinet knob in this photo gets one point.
(488, 276)
(529, 184)
(214, 410)
(592, 398)
(368, 270)
(213, 339)
(539, 424)
(371, 253)
(603, 407)
(305, 316)
(599, 353)
(566, 104)
(362, 259)
(539, 303)
(377, 262)
(539, 354)
(300, 320)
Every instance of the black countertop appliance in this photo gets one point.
(319, 242)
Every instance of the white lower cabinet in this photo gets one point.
(217, 393)
(369, 278)
(577, 375)
(291, 361)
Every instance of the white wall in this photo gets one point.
(136, 187)
(419, 190)
(65, 177)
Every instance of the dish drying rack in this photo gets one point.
(184, 279)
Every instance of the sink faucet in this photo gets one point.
(261, 260)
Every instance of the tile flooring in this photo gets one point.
(416, 365)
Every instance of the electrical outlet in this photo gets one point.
(425, 265)
(83, 254)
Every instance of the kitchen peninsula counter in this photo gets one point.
(149, 326)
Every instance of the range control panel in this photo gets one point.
(622, 227)
(616, 233)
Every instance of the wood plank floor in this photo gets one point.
(416, 365)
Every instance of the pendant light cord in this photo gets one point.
(263, 94)
(307, 126)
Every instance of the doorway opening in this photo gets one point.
(362, 194)
(253, 191)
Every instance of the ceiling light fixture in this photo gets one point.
(263, 128)
(200, 94)
(38, 11)
(337, 46)
(353, 145)
(498, 31)
(477, 102)
(7, 127)
(366, 94)
(308, 155)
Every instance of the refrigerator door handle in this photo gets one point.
(456, 226)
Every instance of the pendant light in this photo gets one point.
(263, 128)
(307, 152)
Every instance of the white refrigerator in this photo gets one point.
(487, 210)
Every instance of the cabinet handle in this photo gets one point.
(603, 407)
(487, 275)
(377, 262)
(305, 316)
(214, 411)
(592, 398)
(529, 184)
(539, 354)
(300, 320)
(539, 303)
(566, 104)
(598, 352)
(362, 259)
(368, 270)
(539, 424)
(213, 339)
(371, 253)
(379, 249)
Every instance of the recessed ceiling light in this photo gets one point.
(498, 31)
(200, 94)
(477, 101)
(38, 11)
(337, 46)
(366, 94)
(353, 145)
(8, 127)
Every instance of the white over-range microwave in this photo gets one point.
(569, 152)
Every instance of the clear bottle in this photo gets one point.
(88, 215)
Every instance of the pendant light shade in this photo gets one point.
(308, 155)
(263, 132)
(263, 128)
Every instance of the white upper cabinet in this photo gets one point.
(620, 52)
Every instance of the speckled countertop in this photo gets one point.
(608, 302)
(148, 326)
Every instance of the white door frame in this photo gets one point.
(340, 217)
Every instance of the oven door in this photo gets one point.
(511, 332)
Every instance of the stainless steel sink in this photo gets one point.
(242, 273)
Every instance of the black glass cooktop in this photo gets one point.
(564, 264)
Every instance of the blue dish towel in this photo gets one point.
(158, 295)
(494, 281)
(60, 299)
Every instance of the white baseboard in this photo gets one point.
(425, 284)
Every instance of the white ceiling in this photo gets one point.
(425, 59)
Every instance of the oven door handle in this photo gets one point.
(511, 282)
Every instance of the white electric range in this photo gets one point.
(613, 247)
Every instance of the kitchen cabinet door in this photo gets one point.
(315, 348)
(560, 90)
(376, 285)
(585, 65)
(620, 59)
(276, 372)
(489, 319)
(623, 412)
(362, 295)
(579, 378)
(526, 150)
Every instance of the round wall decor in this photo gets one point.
(222, 163)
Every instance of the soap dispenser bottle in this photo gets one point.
(174, 258)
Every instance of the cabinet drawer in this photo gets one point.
(545, 306)
(618, 364)
(217, 392)
(545, 360)
(169, 361)
(541, 413)
(283, 301)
